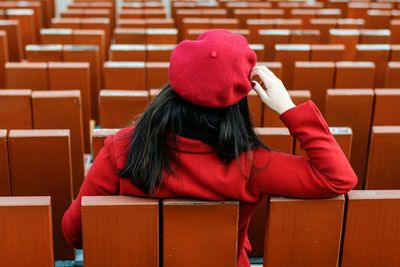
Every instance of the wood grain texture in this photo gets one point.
(16, 109)
(303, 232)
(63, 110)
(119, 108)
(78, 74)
(120, 231)
(384, 162)
(371, 236)
(5, 189)
(40, 164)
(200, 232)
(26, 232)
(352, 108)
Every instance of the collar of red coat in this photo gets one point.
(192, 146)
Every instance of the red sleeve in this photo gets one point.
(101, 179)
(326, 173)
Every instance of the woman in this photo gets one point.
(196, 140)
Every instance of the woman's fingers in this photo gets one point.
(264, 77)
(260, 91)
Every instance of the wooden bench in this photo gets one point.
(372, 224)
(124, 75)
(27, 238)
(119, 108)
(379, 54)
(16, 109)
(78, 74)
(34, 73)
(392, 75)
(192, 229)
(303, 232)
(63, 110)
(127, 223)
(40, 165)
(5, 189)
(386, 107)
(352, 108)
(322, 74)
(352, 74)
(14, 39)
(383, 162)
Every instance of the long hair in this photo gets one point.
(228, 130)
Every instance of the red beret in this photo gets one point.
(214, 70)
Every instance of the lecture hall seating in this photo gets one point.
(352, 108)
(372, 224)
(36, 171)
(127, 223)
(26, 236)
(208, 227)
(65, 73)
(63, 110)
(303, 232)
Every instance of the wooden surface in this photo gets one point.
(322, 74)
(352, 108)
(119, 108)
(34, 73)
(78, 74)
(372, 225)
(90, 54)
(303, 232)
(4, 57)
(5, 189)
(120, 231)
(288, 55)
(384, 162)
(379, 54)
(200, 232)
(392, 74)
(387, 107)
(255, 107)
(40, 164)
(63, 110)
(351, 74)
(15, 109)
(278, 139)
(156, 74)
(26, 236)
(124, 75)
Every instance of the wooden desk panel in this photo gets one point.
(192, 229)
(38, 171)
(120, 231)
(15, 109)
(372, 227)
(303, 232)
(27, 238)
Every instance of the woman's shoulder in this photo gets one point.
(117, 144)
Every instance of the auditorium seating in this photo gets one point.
(62, 110)
(303, 232)
(40, 165)
(372, 222)
(119, 108)
(352, 108)
(26, 236)
(71, 77)
(5, 189)
(127, 223)
(191, 226)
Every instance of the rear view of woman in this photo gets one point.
(195, 140)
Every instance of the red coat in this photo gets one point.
(202, 175)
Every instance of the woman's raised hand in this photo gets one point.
(275, 96)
